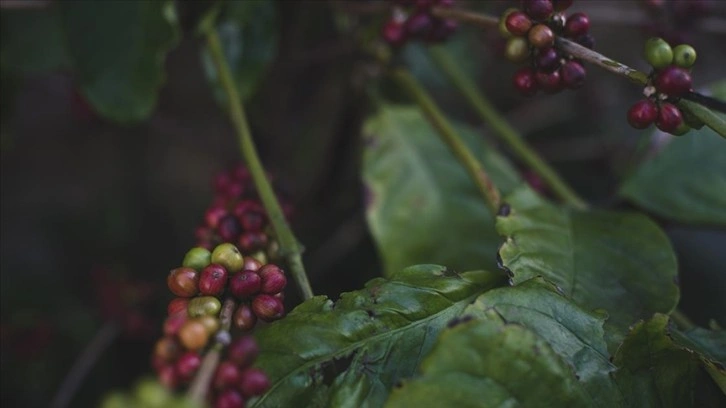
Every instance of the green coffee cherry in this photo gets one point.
(197, 258)
(681, 130)
(228, 256)
(658, 53)
(116, 399)
(517, 49)
(684, 56)
(151, 394)
(204, 306)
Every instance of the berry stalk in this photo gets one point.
(504, 130)
(437, 119)
(289, 246)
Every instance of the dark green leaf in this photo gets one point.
(248, 32)
(32, 40)
(118, 49)
(620, 262)
(573, 333)
(711, 347)
(355, 349)
(422, 205)
(655, 371)
(488, 363)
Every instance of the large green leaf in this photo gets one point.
(118, 49)
(618, 261)
(248, 33)
(349, 353)
(488, 363)
(573, 333)
(422, 205)
(685, 182)
(653, 370)
(32, 40)
(710, 346)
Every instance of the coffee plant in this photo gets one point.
(505, 277)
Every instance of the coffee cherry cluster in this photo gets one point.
(236, 214)
(531, 33)
(669, 80)
(412, 20)
(235, 380)
(193, 316)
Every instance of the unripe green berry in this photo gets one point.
(658, 53)
(684, 56)
(197, 258)
(681, 130)
(228, 256)
(517, 50)
(150, 393)
(115, 399)
(204, 306)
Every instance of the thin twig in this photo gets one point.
(200, 385)
(449, 135)
(84, 363)
(289, 246)
(504, 130)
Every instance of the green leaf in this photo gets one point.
(711, 347)
(32, 40)
(573, 333)
(118, 49)
(355, 349)
(618, 261)
(422, 205)
(653, 370)
(248, 32)
(488, 363)
(685, 182)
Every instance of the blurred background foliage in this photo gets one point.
(101, 193)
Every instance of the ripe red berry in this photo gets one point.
(246, 206)
(525, 82)
(229, 228)
(538, 9)
(547, 59)
(673, 81)
(642, 114)
(245, 284)
(253, 241)
(244, 318)
(243, 351)
(183, 282)
(577, 24)
(214, 215)
(252, 221)
(518, 23)
(268, 307)
(173, 323)
(226, 376)
(177, 305)
(254, 382)
(394, 33)
(550, 82)
(229, 399)
(273, 279)
(541, 36)
(221, 182)
(168, 376)
(573, 74)
(187, 365)
(669, 118)
(213, 280)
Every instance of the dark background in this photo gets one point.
(82, 194)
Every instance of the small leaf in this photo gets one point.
(685, 182)
(355, 349)
(248, 33)
(573, 333)
(32, 40)
(488, 363)
(653, 370)
(422, 205)
(617, 261)
(118, 49)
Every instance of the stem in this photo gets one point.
(437, 119)
(595, 58)
(715, 122)
(466, 16)
(503, 129)
(84, 363)
(289, 246)
(200, 385)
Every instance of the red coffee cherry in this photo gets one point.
(394, 33)
(213, 280)
(268, 307)
(187, 365)
(547, 59)
(226, 376)
(669, 118)
(525, 82)
(254, 382)
(229, 399)
(573, 74)
(229, 228)
(183, 282)
(550, 82)
(577, 24)
(245, 284)
(214, 215)
(244, 318)
(168, 377)
(538, 9)
(273, 279)
(173, 323)
(518, 23)
(642, 114)
(673, 81)
(243, 351)
(177, 305)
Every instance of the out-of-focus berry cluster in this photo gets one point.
(412, 20)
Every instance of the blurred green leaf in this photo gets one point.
(355, 349)
(575, 334)
(249, 33)
(118, 49)
(422, 205)
(32, 41)
(489, 363)
(620, 262)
